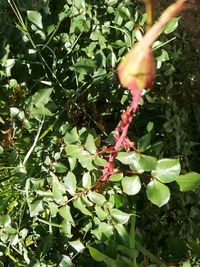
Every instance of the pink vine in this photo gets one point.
(121, 133)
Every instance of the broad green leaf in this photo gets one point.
(120, 216)
(158, 193)
(42, 97)
(74, 150)
(84, 66)
(71, 137)
(131, 185)
(104, 231)
(36, 207)
(147, 163)
(96, 198)
(70, 183)
(77, 245)
(53, 207)
(35, 17)
(58, 189)
(96, 255)
(72, 162)
(116, 177)
(86, 180)
(59, 167)
(171, 25)
(66, 214)
(79, 205)
(189, 181)
(66, 229)
(127, 157)
(90, 144)
(41, 111)
(102, 214)
(167, 170)
(99, 161)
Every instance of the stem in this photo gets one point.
(150, 10)
(121, 133)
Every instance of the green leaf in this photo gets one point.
(90, 144)
(70, 183)
(66, 214)
(84, 66)
(36, 207)
(120, 216)
(189, 181)
(96, 255)
(58, 189)
(74, 150)
(127, 157)
(86, 180)
(167, 170)
(42, 111)
(77, 245)
(35, 17)
(102, 214)
(59, 167)
(99, 161)
(158, 193)
(116, 177)
(96, 198)
(104, 231)
(79, 205)
(171, 25)
(131, 185)
(42, 97)
(146, 163)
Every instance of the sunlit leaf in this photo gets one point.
(189, 181)
(158, 193)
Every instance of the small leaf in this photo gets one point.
(79, 205)
(35, 17)
(131, 185)
(35, 207)
(120, 216)
(66, 214)
(102, 214)
(96, 255)
(77, 245)
(90, 144)
(42, 97)
(58, 189)
(84, 66)
(59, 167)
(116, 177)
(167, 170)
(96, 198)
(99, 161)
(171, 25)
(74, 150)
(189, 181)
(70, 183)
(86, 180)
(127, 157)
(158, 193)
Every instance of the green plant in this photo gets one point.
(60, 101)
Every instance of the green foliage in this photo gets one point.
(60, 101)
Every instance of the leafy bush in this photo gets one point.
(60, 102)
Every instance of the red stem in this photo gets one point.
(121, 133)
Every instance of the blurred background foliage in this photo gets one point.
(58, 63)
